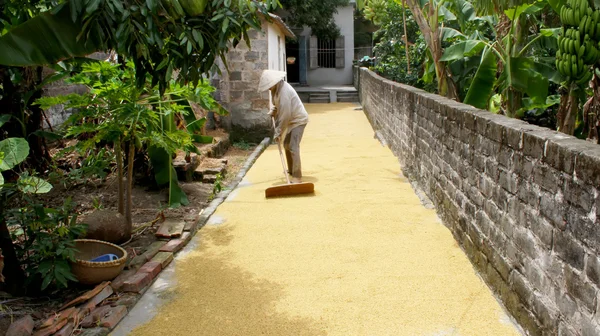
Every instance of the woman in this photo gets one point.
(290, 117)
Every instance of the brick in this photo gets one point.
(523, 166)
(568, 249)
(164, 258)
(566, 330)
(592, 269)
(589, 327)
(553, 207)
(126, 299)
(586, 165)
(87, 296)
(534, 142)
(526, 242)
(117, 283)
(548, 178)
(95, 332)
(580, 289)
(170, 229)
(560, 153)
(546, 312)
(508, 181)
(235, 75)
(173, 246)
(151, 267)
(583, 229)
(58, 318)
(137, 282)
(21, 327)
(543, 230)
(579, 195)
(96, 300)
(115, 315)
(67, 330)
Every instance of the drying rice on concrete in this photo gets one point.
(361, 257)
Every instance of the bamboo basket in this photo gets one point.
(93, 273)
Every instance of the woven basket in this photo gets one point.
(93, 273)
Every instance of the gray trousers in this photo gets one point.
(291, 144)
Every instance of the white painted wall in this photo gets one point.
(319, 77)
(276, 45)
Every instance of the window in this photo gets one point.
(326, 53)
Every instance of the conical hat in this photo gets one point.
(269, 79)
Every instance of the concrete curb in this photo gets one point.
(222, 196)
(201, 222)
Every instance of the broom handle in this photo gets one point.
(281, 155)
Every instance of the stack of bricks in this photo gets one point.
(522, 201)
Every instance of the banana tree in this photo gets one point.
(520, 74)
(429, 16)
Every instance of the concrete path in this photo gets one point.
(361, 257)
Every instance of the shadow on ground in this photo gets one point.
(221, 299)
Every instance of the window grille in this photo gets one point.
(326, 53)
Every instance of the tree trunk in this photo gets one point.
(119, 154)
(432, 35)
(569, 108)
(592, 111)
(128, 204)
(14, 277)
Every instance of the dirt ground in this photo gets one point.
(147, 203)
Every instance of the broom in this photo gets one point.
(290, 188)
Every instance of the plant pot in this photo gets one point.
(93, 273)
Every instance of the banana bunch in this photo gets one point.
(578, 40)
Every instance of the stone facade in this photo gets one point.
(522, 201)
(237, 89)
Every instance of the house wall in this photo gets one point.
(237, 90)
(319, 77)
(276, 46)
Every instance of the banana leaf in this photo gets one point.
(463, 49)
(194, 125)
(165, 174)
(484, 81)
(46, 39)
(522, 75)
(162, 165)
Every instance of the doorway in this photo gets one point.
(292, 51)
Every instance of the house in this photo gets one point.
(317, 62)
(237, 88)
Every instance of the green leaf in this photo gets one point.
(15, 151)
(463, 49)
(522, 75)
(47, 281)
(484, 81)
(4, 119)
(47, 135)
(46, 39)
(165, 174)
(1, 181)
(33, 185)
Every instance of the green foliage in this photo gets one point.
(116, 110)
(46, 241)
(243, 145)
(316, 14)
(391, 61)
(159, 35)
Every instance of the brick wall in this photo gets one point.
(248, 109)
(522, 201)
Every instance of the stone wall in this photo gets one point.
(237, 89)
(57, 115)
(522, 201)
